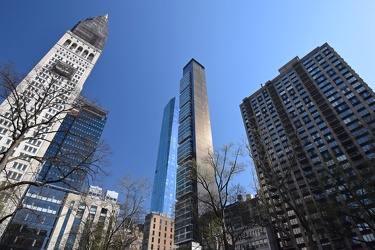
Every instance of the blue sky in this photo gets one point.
(241, 43)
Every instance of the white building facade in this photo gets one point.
(31, 115)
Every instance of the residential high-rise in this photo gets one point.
(311, 133)
(34, 226)
(194, 145)
(33, 111)
(164, 188)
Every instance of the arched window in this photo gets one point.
(85, 52)
(91, 56)
(67, 42)
(79, 50)
(74, 45)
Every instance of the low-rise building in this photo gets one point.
(247, 227)
(158, 232)
(85, 220)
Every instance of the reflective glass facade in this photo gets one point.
(317, 116)
(164, 188)
(76, 139)
(194, 143)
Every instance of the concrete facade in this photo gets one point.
(84, 221)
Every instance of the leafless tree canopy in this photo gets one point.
(123, 227)
(31, 115)
(277, 200)
(343, 198)
(224, 219)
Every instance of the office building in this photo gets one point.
(70, 157)
(48, 91)
(194, 144)
(311, 133)
(164, 188)
(158, 232)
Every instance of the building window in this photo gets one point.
(85, 53)
(79, 50)
(93, 209)
(91, 56)
(74, 45)
(14, 176)
(67, 42)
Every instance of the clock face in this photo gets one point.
(64, 70)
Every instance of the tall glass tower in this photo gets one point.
(57, 81)
(194, 144)
(164, 188)
(315, 124)
(76, 139)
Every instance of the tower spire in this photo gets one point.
(93, 30)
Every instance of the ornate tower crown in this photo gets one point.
(93, 30)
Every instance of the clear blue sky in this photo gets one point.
(241, 43)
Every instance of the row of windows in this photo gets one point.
(185, 112)
(19, 166)
(184, 130)
(185, 81)
(14, 175)
(160, 227)
(158, 247)
(185, 96)
(30, 149)
(79, 64)
(166, 222)
(185, 150)
(79, 51)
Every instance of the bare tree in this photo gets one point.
(277, 201)
(334, 202)
(132, 212)
(221, 224)
(351, 194)
(31, 115)
(122, 228)
(350, 203)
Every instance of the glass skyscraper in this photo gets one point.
(315, 123)
(75, 141)
(194, 144)
(164, 188)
